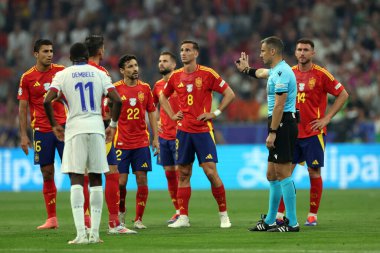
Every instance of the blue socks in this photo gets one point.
(275, 193)
(289, 196)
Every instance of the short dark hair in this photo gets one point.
(125, 58)
(274, 42)
(79, 52)
(94, 43)
(41, 42)
(195, 44)
(306, 41)
(172, 56)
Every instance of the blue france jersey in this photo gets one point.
(282, 79)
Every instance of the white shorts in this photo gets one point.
(85, 151)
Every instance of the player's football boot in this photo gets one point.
(181, 222)
(311, 221)
(94, 239)
(173, 218)
(261, 226)
(80, 239)
(224, 221)
(285, 228)
(139, 225)
(51, 223)
(121, 229)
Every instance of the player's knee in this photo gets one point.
(47, 172)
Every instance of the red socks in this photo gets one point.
(50, 195)
(123, 194)
(141, 197)
(281, 207)
(316, 187)
(183, 197)
(112, 196)
(86, 196)
(220, 196)
(172, 177)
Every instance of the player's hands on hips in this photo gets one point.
(155, 147)
(206, 116)
(243, 62)
(319, 124)
(177, 116)
(110, 133)
(59, 132)
(270, 140)
(25, 144)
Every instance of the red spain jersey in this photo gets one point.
(168, 126)
(105, 108)
(195, 96)
(33, 87)
(132, 131)
(312, 89)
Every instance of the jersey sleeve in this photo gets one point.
(217, 83)
(106, 82)
(282, 81)
(56, 84)
(331, 85)
(169, 87)
(23, 90)
(155, 94)
(150, 104)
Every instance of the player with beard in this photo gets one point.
(167, 129)
(132, 137)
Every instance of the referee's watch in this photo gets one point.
(271, 130)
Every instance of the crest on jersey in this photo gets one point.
(46, 86)
(198, 83)
(140, 96)
(189, 87)
(301, 86)
(312, 83)
(132, 101)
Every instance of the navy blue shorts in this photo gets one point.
(139, 159)
(310, 150)
(202, 144)
(111, 154)
(44, 148)
(166, 157)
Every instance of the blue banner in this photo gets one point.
(240, 167)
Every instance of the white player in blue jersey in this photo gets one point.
(82, 86)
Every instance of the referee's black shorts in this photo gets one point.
(286, 137)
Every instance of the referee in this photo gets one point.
(282, 132)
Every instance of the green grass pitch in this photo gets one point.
(349, 221)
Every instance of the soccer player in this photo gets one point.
(34, 84)
(83, 87)
(167, 129)
(95, 46)
(132, 137)
(313, 85)
(194, 85)
(282, 132)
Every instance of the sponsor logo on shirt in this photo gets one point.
(280, 85)
(132, 101)
(189, 87)
(301, 86)
(180, 85)
(36, 84)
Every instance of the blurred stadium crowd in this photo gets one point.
(346, 34)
